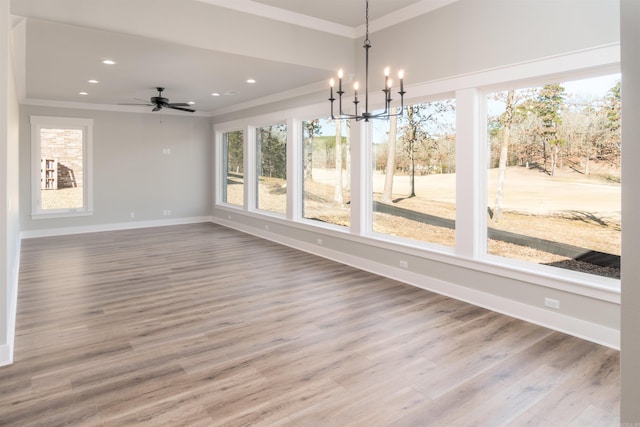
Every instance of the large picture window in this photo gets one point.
(233, 168)
(326, 171)
(61, 166)
(414, 175)
(554, 175)
(271, 167)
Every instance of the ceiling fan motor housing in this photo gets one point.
(159, 100)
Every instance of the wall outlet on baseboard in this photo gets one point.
(552, 303)
(404, 264)
(132, 215)
(166, 212)
(266, 227)
(319, 241)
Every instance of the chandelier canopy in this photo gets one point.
(366, 115)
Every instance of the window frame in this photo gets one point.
(222, 154)
(469, 91)
(86, 126)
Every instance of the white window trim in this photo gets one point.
(86, 125)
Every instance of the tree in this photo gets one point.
(547, 107)
(506, 120)
(235, 152)
(419, 132)
(613, 107)
(338, 192)
(387, 193)
(311, 128)
(347, 156)
(273, 151)
(413, 134)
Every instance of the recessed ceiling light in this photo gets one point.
(109, 62)
(191, 102)
(215, 94)
(93, 81)
(83, 93)
(251, 81)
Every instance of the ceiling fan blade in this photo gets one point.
(146, 105)
(179, 104)
(173, 106)
(157, 108)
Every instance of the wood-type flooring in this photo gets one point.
(201, 325)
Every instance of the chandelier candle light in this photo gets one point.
(388, 84)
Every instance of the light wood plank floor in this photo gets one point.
(200, 325)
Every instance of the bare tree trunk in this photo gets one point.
(308, 159)
(504, 152)
(338, 193)
(347, 181)
(586, 164)
(412, 172)
(387, 193)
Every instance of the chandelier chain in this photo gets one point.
(366, 23)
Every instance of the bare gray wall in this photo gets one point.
(131, 173)
(473, 35)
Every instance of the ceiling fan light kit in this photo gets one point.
(366, 115)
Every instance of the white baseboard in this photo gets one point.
(62, 231)
(559, 322)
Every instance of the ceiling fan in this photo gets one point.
(159, 102)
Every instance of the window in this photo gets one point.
(326, 171)
(61, 166)
(271, 167)
(414, 180)
(554, 175)
(233, 168)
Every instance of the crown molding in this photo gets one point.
(283, 15)
(402, 15)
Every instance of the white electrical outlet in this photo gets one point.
(266, 227)
(552, 303)
(404, 264)
(319, 241)
(132, 215)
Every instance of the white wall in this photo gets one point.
(630, 355)
(9, 200)
(131, 173)
(473, 35)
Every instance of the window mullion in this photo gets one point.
(471, 176)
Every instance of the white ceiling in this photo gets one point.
(59, 44)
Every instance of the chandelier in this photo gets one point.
(366, 115)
